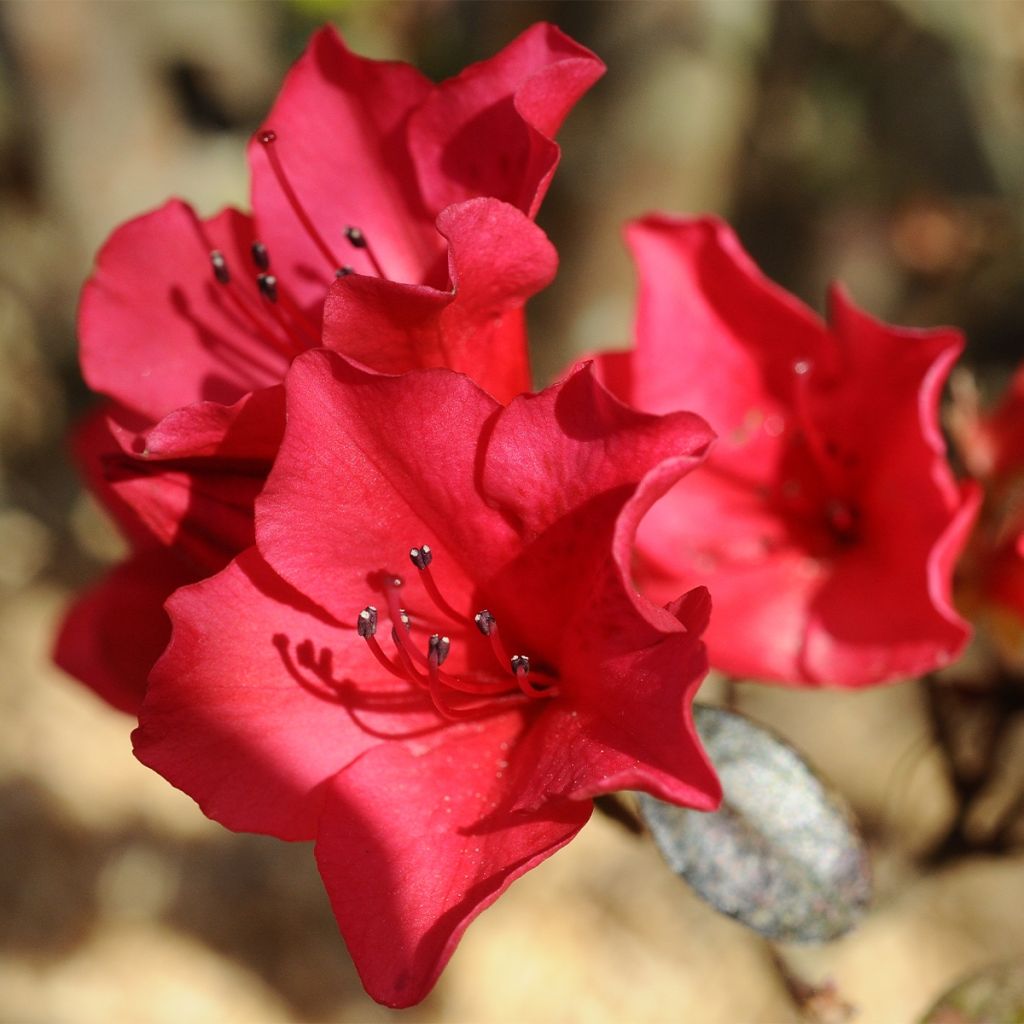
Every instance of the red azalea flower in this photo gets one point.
(435, 658)
(418, 195)
(826, 522)
(991, 577)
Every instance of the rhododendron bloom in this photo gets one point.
(826, 521)
(991, 575)
(434, 658)
(391, 221)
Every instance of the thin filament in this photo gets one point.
(268, 138)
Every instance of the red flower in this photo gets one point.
(991, 577)
(827, 521)
(423, 192)
(439, 727)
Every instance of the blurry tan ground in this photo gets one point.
(118, 901)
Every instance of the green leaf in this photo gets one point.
(782, 854)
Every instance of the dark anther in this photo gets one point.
(485, 622)
(260, 256)
(421, 557)
(520, 663)
(438, 647)
(268, 286)
(344, 271)
(366, 624)
(356, 238)
(267, 136)
(220, 266)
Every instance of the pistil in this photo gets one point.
(268, 137)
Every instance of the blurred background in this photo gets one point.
(876, 142)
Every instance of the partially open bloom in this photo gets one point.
(434, 657)
(391, 221)
(826, 521)
(991, 578)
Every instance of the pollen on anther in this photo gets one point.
(485, 621)
(220, 267)
(260, 256)
(366, 624)
(267, 136)
(520, 663)
(438, 647)
(268, 286)
(344, 271)
(422, 556)
(356, 238)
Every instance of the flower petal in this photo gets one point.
(253, 706)
(393, 463)
(113, 634)
(339, 124)
(497, 259)
(489, 131)
(716, 336)
(404, 895)
(157, 331)
(560, 465)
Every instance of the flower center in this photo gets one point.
(827, 504)
(279, 320)
(510, 681)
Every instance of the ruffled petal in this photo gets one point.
(497, 259)
(404, 895)
(260, 697)
(156, 329)
(370, 467)
(560, 465)
(490, 130)
(339, 122)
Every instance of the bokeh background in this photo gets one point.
(877, 142)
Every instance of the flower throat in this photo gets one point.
(292, 332)
(510, 683)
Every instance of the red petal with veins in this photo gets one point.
(497, 259)
(156, 329)
(490, 130)
(260, 698)
(395, 460)
(339, 121)
(403, 896)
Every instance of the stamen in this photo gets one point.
(358, 240)
(366, 627)
(438, 647)
(269, 290)
(220, 267)
(260, 256)
(488, 625)
(344, 271)
(421, 557)
(223, 276)
(268, 137)
(366, 624)
(404, 655)
(268, 286)
(521, 670)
